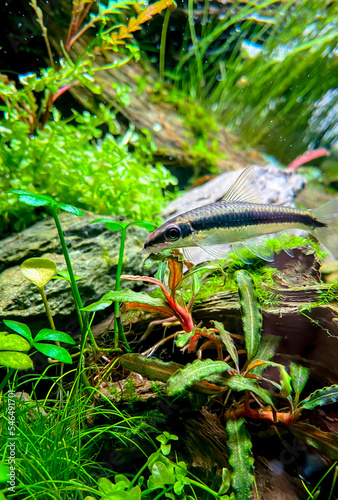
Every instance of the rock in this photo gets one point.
(274, 184)
(93, 252)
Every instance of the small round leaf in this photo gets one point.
(39, 271)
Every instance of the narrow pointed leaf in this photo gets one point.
(20, 328)
(239, 383)
(47, 334)
(251, 313)
(13, 342)
(285, 379)
(16, 360)
(299, 376)
(54, 352)
(241, 459)
(227, 341)
(112, 225)
(266, 350)
(326, 442)
(131, 296)
(175, 273)
(193, 372)
(70, 208)
(319, 398)
(100, 305)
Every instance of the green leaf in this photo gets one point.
(151, 368)
(70, 208)
(161, 475)
(97, 306)
(19, 328)
(267, 348)
(38, 270)
(131, 296)
(54, 352)
(319, 398)
(251, 313)
(145, 224)
(299, 376)
(4, 472)
(326, 442)
(112, 225)
(47, 334)
(241, 460)
(34, 200)
(13, 342)
(193, 372)
(226, 478)
(239, 383)
(64, 275)
(227, 341)
(16, 360)
(285, 379)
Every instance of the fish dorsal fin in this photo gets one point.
(244, 188)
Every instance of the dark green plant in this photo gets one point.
(44, 151)
(14, 348)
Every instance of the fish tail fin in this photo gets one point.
(328, 236)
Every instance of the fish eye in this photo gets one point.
(172, 233)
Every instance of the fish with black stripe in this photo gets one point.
(204, 233)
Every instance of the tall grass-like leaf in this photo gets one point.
(228, 342)
(241, 460)
(319, 398)
(299, 376)
(251, 313)
(198, 370)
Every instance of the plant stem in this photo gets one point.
(118, 327)
(45, 303)
(163, 41)
(75, 291)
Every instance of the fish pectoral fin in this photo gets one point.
(213, 244)
(256, 246)
(195, 255)
(245, 188)
(281, 237)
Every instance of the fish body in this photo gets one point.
(238, 219)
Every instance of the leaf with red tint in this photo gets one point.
(175, 273)
(147, 279)
(137, 306)
(307, 156)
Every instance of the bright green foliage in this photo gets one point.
(12, 352)
(320, 397)
(117, 491)
(241, 460)
(299, 376)
(251, 313)
(20, 344)
(71, 163)
(193, 372)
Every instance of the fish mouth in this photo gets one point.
(154, 248)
